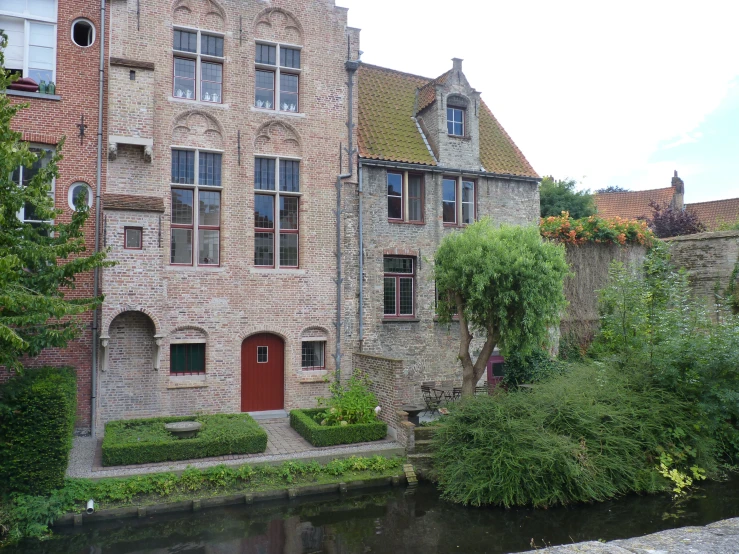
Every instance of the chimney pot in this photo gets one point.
(457, 64)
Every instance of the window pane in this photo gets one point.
(449, 190)
(133, 238)
(289, 176)
(196, 357)
(183, 167)
(264, 211)
(289, 57)
(468, 213)
(468, 202)
(406, 296)
(210, 208)
(389, 296)
(394, 196)
(288, 93)
(264, 174)
(398, 265)
(43, 8)
(262, 354)
(265, 89)
(266, 54)
(288, 250)
(182, 206)
(185, 41)
(415, 200)
(212, 77)
(177, 358)
(264, 249)
(313, 354)
(209, 246)
(211, 46)
(468, 191)
(181, 246)
(450, 212)
(449, 194)
(184, 78)
(288, 213)
(209, 170)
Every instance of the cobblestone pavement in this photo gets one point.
(721, 537)
(283, 443)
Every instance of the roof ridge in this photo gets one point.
(628, 191)
(391, 70)
(710, 201)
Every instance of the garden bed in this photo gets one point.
(142, 441)
(328, 435)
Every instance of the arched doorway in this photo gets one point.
(262, 373)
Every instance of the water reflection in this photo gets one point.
(390, 522)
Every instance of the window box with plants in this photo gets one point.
(348, 416)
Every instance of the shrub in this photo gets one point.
(36, 429)
(140, 441)
(589, 435)
(532, 368)
(306, 424)
(667, 221)
(596, 229)
(352, 403)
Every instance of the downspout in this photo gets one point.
(361, 257)
(351, 68)
(99, 178)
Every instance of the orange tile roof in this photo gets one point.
(387, 130)
(133, 202)
(631, 204)
(427, 93)
(712, 214)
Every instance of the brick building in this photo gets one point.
(57, 41)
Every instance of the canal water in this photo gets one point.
(393, 521)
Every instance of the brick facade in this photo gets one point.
(47, 119)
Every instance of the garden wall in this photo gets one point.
(590, 263)
(709, 258)
(392, 389)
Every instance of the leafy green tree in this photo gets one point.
(39, 262)
(611, 188)
(557, 196)
(503, 283)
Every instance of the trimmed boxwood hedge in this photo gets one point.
(141, 441)
(37, 415)
(328, 435)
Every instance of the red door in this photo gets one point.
(262, 373)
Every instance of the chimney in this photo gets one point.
(457, 64)
(678, 195)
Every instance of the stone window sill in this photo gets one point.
(203, 268)
(277, 112)
(269, 271)
(187, 382)
(400, 320)
(38, 95)
(203, 103)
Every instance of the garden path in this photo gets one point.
(283, 444)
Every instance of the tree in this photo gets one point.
(505, 284)
(666, 221)
(556, 197)
(612, 188)
(39, 262)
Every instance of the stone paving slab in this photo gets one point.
(721, 537)
(283, 443)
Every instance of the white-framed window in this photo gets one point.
(455, 121)
(314, 354)
(83, 32)
(277, 81)
(262, 354)
(31, 29)
(77, 191)
(196, 207)
(23, 175)
(198, 65)
(276, 212)
(459, 201)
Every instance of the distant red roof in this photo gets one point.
(712, 214)
(631, 204)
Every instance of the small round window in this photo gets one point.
(83, 33)
(80, 193)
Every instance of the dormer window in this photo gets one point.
(455, 121)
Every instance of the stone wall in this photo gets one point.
(590, 264)
(391, 387)
(709, 259)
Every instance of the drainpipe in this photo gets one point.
(351, 68)
(99, 178)
(361, 257)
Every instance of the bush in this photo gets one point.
(140, 441)
(36, 429)
(596, 229)
(305, 423)
(589, 435)
(532, 368)
(353, 403)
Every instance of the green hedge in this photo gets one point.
(141, 441)
(37, 415)
(327, 435)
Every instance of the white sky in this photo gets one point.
(602, 92)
